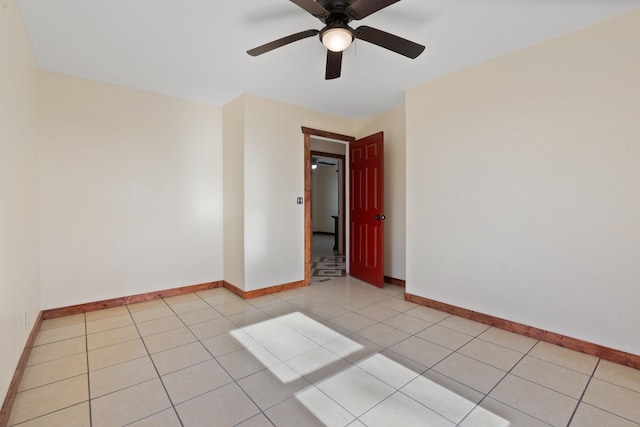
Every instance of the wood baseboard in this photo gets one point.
(12, 392)
(5, 412)
(585, 347)
(396, 282)
(132, 299)
(264, 291)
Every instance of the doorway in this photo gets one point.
(328, 202)
(327, 210)
(323, 137)
(365, 231)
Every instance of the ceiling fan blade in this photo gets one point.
(389, 41)
(313, 8)
(363, 8)
(334, 65)
(282, 42)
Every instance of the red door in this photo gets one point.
(366, 182)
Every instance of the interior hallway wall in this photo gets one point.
(19, 227)
(522, 186)
(131, 191)
(324, 192)
(273, 179)
(335, 147)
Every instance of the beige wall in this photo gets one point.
(392, 123)
(131, 191)
(233, 190)
(19, 229)
(522, 186)
(273, 179)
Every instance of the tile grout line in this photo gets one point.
(584, 391)
(267, 314)
(236, 381)
(354, 365)
(351, 310)
(510, 370)
(562, 366)
(609, 412)
(477, 405)
(430, 368)
(485, 396)
(56, 381)
(396, 390)
(219, 364)
(422, 375)
(415, 335)
(546, 387)
(86, 343)
(155, 367)
(311, 384)
(351, 364)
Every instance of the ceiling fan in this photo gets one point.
(337, 35)
(315, 162)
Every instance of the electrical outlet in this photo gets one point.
(300, 200)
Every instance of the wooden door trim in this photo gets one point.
(308, 133)
(342, 157)
(307, 209)
(332, 155)
(325, 134)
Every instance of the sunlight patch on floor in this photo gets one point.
(374, 388)
(280, 337)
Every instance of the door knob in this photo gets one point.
(380, 217)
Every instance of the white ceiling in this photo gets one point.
(195, 49)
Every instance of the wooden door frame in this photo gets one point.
(343, 215)
(308, 133)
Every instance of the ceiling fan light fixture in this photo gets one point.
(337, 39)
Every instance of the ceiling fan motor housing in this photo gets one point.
(338, 10)
(338, 18)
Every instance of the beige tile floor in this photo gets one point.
(337, 353)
